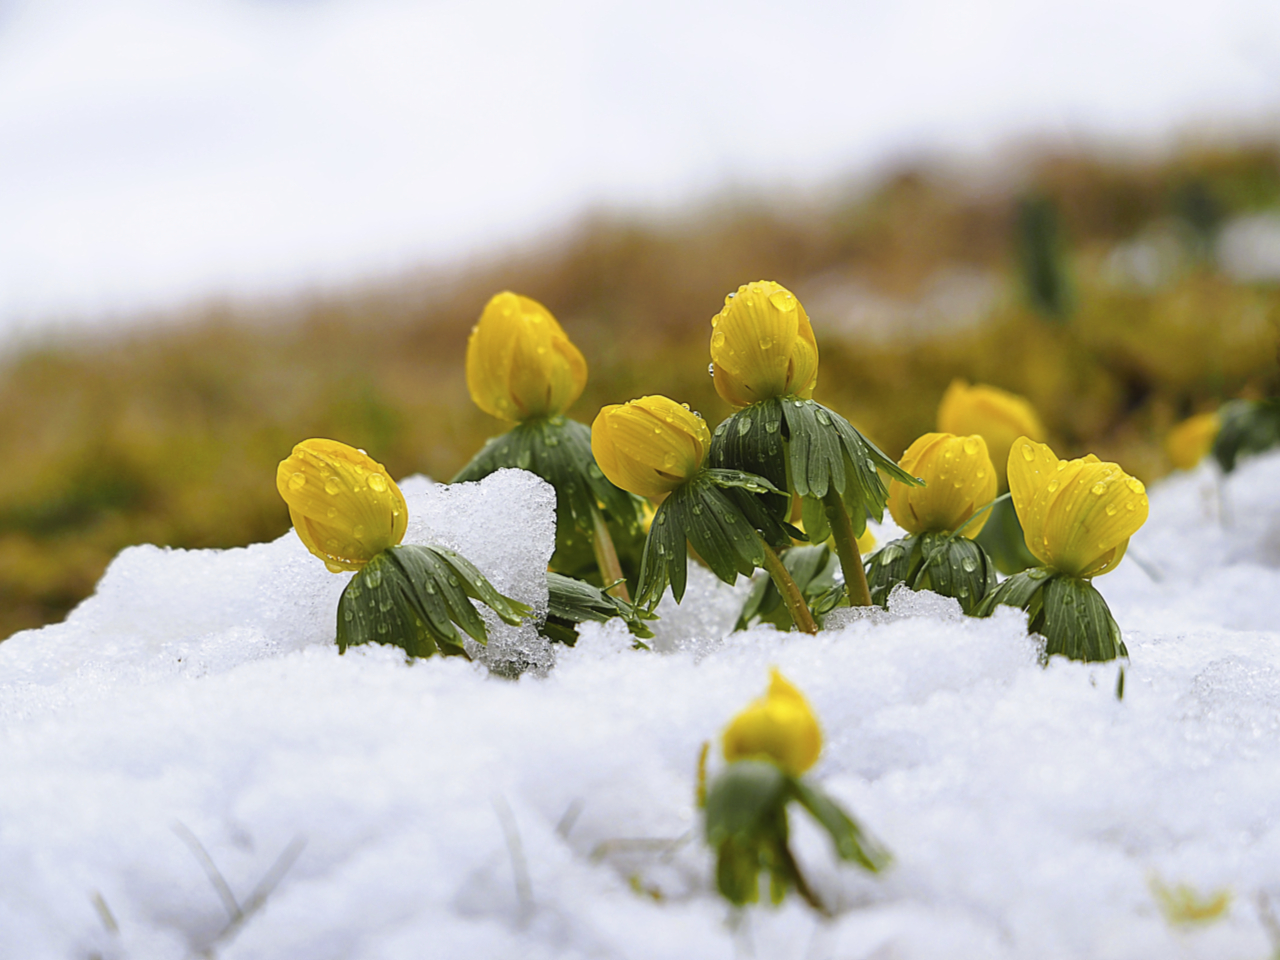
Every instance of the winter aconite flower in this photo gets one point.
(649, 446)
(959, 479)
(520, 363)
(762, 346)
(996, 415)
(343, 503)
(779, 727)
(1078, 515)
(1190, 441)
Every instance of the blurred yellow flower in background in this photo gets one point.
(344, 505)
(996, 415)
(520, 363)
(1189, 442)
(649, 446)
(959, 478)
(1078, 515)
(780, 727)
(762, 346)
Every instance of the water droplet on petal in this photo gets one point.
(1098, 489)
(1135, 485)
(1028, 453)
(332, 487)
(377, 484)
(969, 564)
(971, 445)
(297, 481)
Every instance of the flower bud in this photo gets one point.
(762, 346)
(1077, 515)
(520, 363)
(1189, 442)
(649, 446)
(343, 504)
(779, 727)
(999, 417)
(959, 479)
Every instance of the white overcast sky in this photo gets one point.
(157, 151)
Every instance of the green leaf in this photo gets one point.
(751, 482)
(558, 450)
(378, 606)
(571, 602)
(1022, 590)
(852, 843)
(1248, 426)
(701, 514)
(954, 567)
(744, 800)
(415, 597)
(1077, 623)
(896, 562)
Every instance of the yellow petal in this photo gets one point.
(779, 727)
(996, 415)
(649, 446)
(520, 363)
(1189, 441)
(1077, 515)
(959, 479)
(762, 345)
(344, 505)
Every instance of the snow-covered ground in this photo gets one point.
(155, 151)
(427, 810)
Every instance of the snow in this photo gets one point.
(430, 810)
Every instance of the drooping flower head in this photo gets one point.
(344, 505)
(996, 415)
(520, 363)
(1078, 515)
(649, 446)
(762, 346)
(780, 727)
(959, 479)
(1189, 442)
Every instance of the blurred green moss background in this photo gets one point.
(1088, 283)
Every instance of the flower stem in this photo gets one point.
(607, 557)
(855, 578)
(791, 594)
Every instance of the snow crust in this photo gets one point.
(198, 697)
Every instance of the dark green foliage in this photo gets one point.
(1068, 612)
(813, 569)
(724, 533)
(948, 565)
(811, 449)
(571, 602)
(1248, 426)
(746, 825)
(413, 596)
(558, 450)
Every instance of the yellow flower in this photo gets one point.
(1078, 515)
(999, 417)
(344, 505)
(520, 363)
(780, 727)
(1189, 441)
(649, 446)
(762, 345)
(959, 479)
